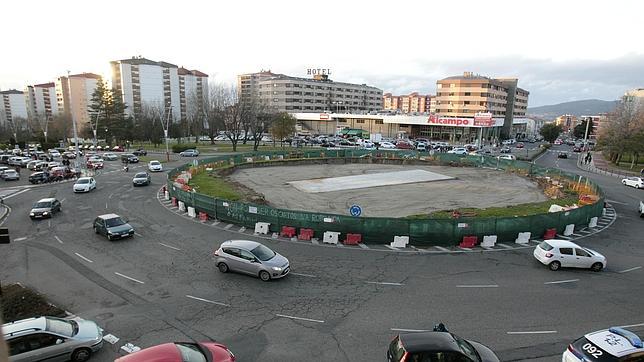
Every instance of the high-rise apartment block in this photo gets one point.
(411, 103)
(74, 95)
(160, 86)
(41, 101)
(13, 107)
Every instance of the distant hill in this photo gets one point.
(577, 108)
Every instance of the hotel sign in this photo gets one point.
(318, 71)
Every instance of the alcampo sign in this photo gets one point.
(479, 120)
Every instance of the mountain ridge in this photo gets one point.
(578, 108)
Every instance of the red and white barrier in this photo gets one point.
(489, 241)
(400, 242)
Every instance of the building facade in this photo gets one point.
(42, 102)
(74, 95)
(283, 93)
(13, 107)
(567, 122)
(159, 86)
(411, 103)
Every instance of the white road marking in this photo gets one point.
(169, 246)
(386, 283)
(363, 246)
(20, 239)
(533, 332)
(441, 248)
(391, 247)
(616, 202)
(242, 229)
(57, 238)
(106, 205)
(315, 242)
(299, 318)
(304, 275)
(84, 258)
(139, 235)
(408, 330)
(207, 301)
(63, 200)
(504, 245)
(633, 325)
(215, 223)
(228, 226)
(562, 281)
(464, 248)
(14, 194)
(478, 286)
(126, 277)
(48, 223)
(629, 270)
(564, 237)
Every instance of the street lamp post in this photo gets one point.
(69, 89)
(95, 128)
(337, 105)
(165, 134)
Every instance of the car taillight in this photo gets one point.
(216, 252)
(548, 255)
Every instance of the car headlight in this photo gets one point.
(276, 268)
(45, 212)
(31, 214)
(110, 233)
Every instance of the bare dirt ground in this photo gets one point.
(472, 187)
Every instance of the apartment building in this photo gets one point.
(285, 93)
(42, 102)
(411, 103)
(13, 107)
(74, 95)
(144, 83)
(567, 122)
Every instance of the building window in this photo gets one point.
(275, 100)
(379, 121)
(360, 121)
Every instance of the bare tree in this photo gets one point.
(218, 100)
(258, 120)
(624, 132)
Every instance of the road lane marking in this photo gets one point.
(304, 275)
(629, 270)
(228, 226)
(562, 281)
(20, 239)
(49, 223)
(84, 258)
(106, 205)
(533, 332)
(441, 248)
(57, 238)
(634, 325)
(504, 245)
(616, 202)
(63, 200)
(126, 277)
(207, 301)
(299, 318)
(15, 193)
(139, 235)
(169, 246)
(386, 283)
(390, 247)
(363, 246)
(478, 286)
(408, 330)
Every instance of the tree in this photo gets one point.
(107, 113)
(283, 126)
(624, 133)
(258, 119)
(550, 132)
(580, 130)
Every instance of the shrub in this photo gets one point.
(180, 147)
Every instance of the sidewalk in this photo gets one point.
(601, 166)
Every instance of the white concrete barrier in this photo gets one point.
(400, 241)
(593, 222)
(331, 237)
(489, 241)
(267, 158)
(182, 206)
(279, 157)
(570, 228)
(166, 195)
(261, 227)
(523, 238)
(192, 212)
(249, 159)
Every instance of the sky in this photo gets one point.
(560, 50)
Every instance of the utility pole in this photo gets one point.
(588, 120)
(68, 104)
(95, 128)
(166, 126)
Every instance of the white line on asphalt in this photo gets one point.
(304, 275)
(20, 239)
(541, 155)
(215, 223)
(504, 245)
(533, 332)
(562, 281)
(634, 325)
(57, 238)
(49, 223)
(631, 269)
(84, 258)
(408, 330)
(126, 277)
(363, 246)
(576, 234)
(616, 202)
(63, 200)
(299, 318)
(391, 247)
(478, 286)
(139, 235)
(441, 248)
(386, 283)
(228, 226)
(169, 246)
(106, 205)
(16, 193)
(464, 248)
(207, 301)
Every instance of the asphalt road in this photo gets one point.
(339, 304)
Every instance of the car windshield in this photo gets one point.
(62, 326)
(545, 246)
(190, 353)
(114, 222)
(155, 163)
(42, 204)
(83, 181)
(140, 175)
(263, 253)
(467, 348)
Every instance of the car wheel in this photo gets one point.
(95, 230)
(109, 237)
(264, 276)
(597, 267)
(223, 267)
(555, 265)
(81, 355)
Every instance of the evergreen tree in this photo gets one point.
(112, 124)
(550, 132)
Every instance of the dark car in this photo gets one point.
(113, 227)
(562, 155)
(45, 208)
(437, 346)
(140, 152)
(129, 158)
(141, 179)
(38, 178)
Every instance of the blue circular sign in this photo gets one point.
(355, 210)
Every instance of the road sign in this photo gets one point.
(355, 210)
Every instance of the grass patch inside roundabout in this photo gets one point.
(212, 185)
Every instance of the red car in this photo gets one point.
(520, 145)
(117, 149)
(404, 145)
(181, 351)
(95, 165)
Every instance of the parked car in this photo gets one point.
(155, 166)
(180, 352)
(54, 153)
(95, 164)
(421, 147)
(387, 145)
(15, 161)
(10, 175)
(505, 150)
(563, 253)
(140, 152)
(110, 157)
(52, 339)
(520, 145)
(251, 257)
(437, 345)
(636, 182)
(558, 141)
(507, 157)
(113, 227)
(576, 149)
(189, 153)
(38, 178)
(562, 155)
(5, 159)
(141, 179)
(458, 151)
(128, 157)
(118, 149)
(45, 208)
(84, 184)
(404, 145)
(612, 344)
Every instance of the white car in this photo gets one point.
(507, 157)
(563, 253)
(636, 182)
(155, 166)
(85, 184)
(54, 153)
(387, 145)
(458, 151)
(612, 344)
(110, 156)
